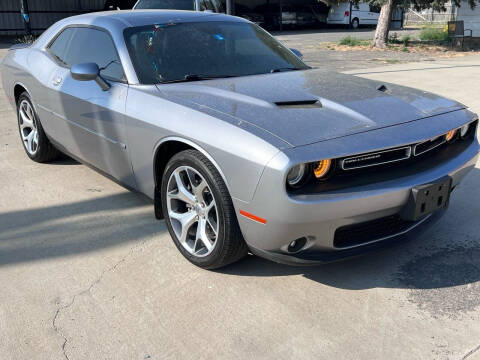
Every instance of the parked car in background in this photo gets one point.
(289, 16)
(346, 13)
(197, 5)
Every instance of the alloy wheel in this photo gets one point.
(28, 127)
(192, 211)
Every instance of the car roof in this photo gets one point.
(148, 17)
(117, 21)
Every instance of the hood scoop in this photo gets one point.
(299, 104)
(384, 89)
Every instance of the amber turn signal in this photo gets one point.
(322, 168)
(449, 136)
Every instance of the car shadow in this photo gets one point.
(75, 228)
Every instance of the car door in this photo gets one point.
(91, 121)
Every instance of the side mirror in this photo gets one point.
(297, 53)
(88, 72)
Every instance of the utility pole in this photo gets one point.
(25, 16)
(230, 7)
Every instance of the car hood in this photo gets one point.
(304, 107)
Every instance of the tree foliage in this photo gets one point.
(387, 6)
(437, 5)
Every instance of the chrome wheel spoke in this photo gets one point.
(198, 187)
(213, 225)
(26, 122)
(186, 221)
(202, 235)
(29, 140)
(181, 192)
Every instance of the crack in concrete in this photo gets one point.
(471, 352)
(83, 292)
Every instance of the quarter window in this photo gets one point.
(59, 46)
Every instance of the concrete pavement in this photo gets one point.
(86, 272)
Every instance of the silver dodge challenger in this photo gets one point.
(240, 145)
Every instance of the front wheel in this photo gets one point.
(199, 212)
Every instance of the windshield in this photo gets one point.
(166, 4)
(194, 51)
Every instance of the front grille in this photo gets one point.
(428, 145)
(357, 234)
(377, 158)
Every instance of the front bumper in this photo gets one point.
(317, 217)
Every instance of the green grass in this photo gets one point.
(351, 41)
(433, 33)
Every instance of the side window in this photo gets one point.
(60, 44)
(375, 8)
(91, 45)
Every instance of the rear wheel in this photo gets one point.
(199, 212)
(355, 23)
(35, 142)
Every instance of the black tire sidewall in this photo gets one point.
(186, 158)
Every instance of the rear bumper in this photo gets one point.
(344, 21)
(317, 217)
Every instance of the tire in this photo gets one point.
(213, 239)
(355, 24)
(35, 142)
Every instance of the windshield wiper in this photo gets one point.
(197, 77)
(285, 69)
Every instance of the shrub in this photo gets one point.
(350, 41)
(405, 40)
(25, 39)
(393, 38)
(433, 33)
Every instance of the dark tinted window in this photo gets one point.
(375, 8)
(166, 4)
(217, 49)
(60, 44)
(91, 45)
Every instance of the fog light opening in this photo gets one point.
(297, 245)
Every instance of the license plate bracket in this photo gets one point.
(427, 198)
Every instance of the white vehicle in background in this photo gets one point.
(347, 13)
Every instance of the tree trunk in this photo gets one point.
(383, 26)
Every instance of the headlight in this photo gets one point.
(322, 168)
(450, 135)
(464, 130)
(296, 175)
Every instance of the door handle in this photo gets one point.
(57, 80)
